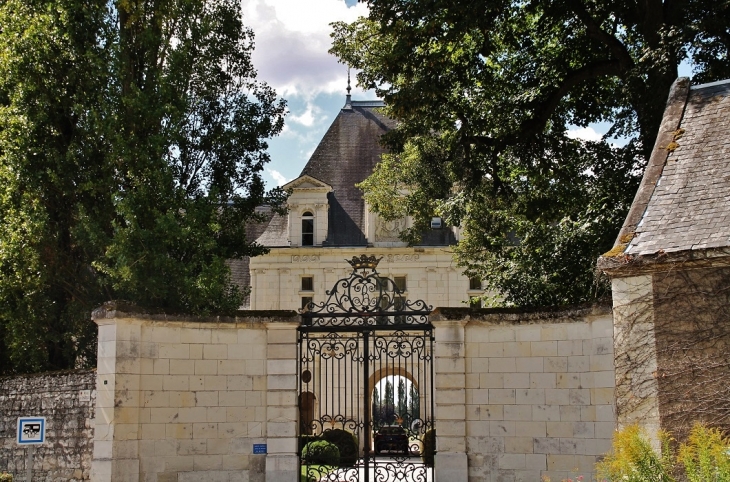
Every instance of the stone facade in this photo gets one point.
(429, 274)
(672, 341)
(67, 400)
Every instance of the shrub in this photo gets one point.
(634, 460)
(305, 439)
(5, 477)
(347, 444)
(321, 452)
(429, 447)
(705, 455)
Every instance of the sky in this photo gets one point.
(292, 40)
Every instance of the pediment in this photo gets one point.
(308, 183)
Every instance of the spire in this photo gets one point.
(348, 99)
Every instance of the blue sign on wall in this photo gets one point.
(31, 430)
(259, 448)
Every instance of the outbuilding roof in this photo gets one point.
(683, 203)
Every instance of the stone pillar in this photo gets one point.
(282, 414)
(637, 389)
(116, 445)
(450, 417)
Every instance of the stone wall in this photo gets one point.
(67, 400)
(185, 399)
(539, 398)
(518, 396)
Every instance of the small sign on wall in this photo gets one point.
(259, 449)
(85, 396)
(31, 430)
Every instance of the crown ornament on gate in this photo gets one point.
(364, 262)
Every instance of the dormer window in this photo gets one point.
(307, 229)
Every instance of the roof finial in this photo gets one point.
(348, 99)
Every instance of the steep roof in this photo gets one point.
(683, 203)
(345, 156)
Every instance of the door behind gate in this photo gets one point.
(366, 383)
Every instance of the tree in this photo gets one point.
(388, 406)
(402, 410)
(377, 415)
(130, 157)
(484, 93)
(414, 403)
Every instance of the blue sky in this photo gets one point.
(292, 40)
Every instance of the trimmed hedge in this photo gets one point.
(321, 452)
(346, 442)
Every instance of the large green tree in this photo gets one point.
(485, 91)
(131, 146)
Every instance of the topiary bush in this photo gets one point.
(321, 452)
(429, 447)
(346, 442)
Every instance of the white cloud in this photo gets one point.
(306, 118)
(584, 133)
(292, 39)
(277, 177)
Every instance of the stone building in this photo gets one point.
(329, 221)
(670, 271)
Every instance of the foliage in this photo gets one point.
(321, 452)
(346, 443)
(634, 459)
(5, 477)
(484, 92)
(705, 455)
(429, 447)
(131, 147)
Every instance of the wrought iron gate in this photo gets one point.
(366, 335)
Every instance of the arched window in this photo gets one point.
(307, 229)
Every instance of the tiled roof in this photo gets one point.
(689, 203)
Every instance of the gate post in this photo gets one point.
(450, 417)
(282, 415)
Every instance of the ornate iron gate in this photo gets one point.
(364, 338)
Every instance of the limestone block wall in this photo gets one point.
(67, 401)
(539, 392)
(185, 399)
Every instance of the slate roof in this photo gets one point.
(684, 201)
(345, 156)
